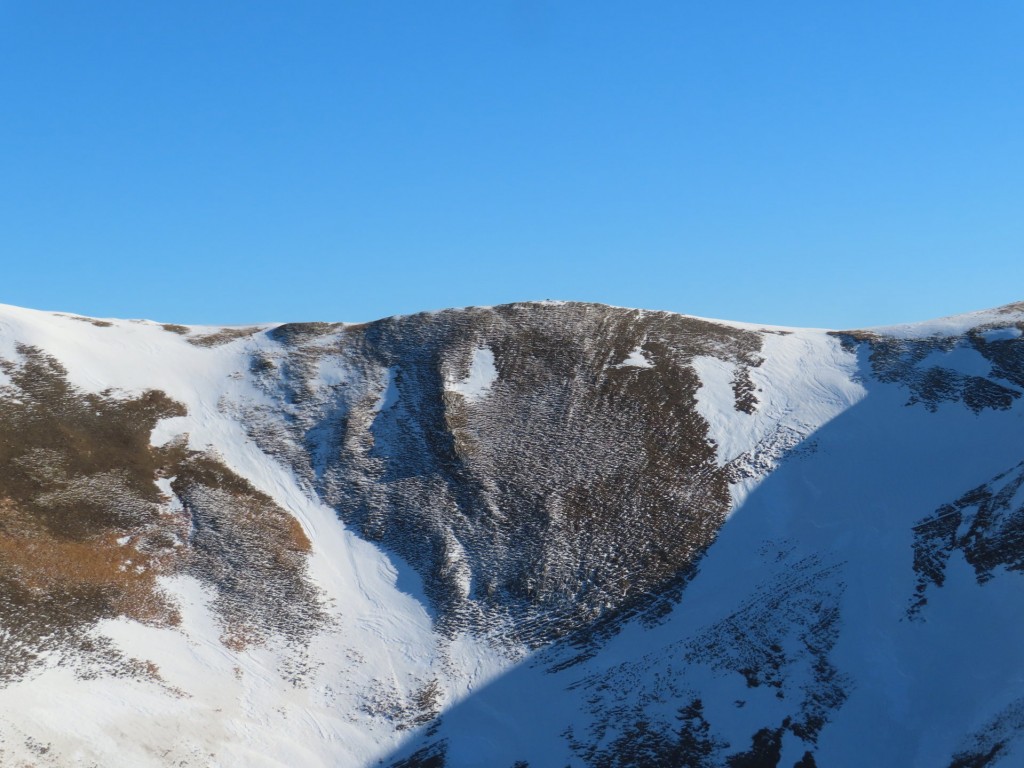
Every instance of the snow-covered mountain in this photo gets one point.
(540, 534)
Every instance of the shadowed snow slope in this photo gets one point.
(540, 534)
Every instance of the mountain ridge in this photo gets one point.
(952, 320)
(365, 528)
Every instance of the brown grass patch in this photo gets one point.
(223, 336)
(79, 475)
(42, 560)
(90, 320)
(856, 335)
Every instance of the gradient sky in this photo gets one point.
(804, 163)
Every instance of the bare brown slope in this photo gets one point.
(575, 489)
(85, 532)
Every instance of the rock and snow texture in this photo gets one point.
(541, 534)
(759, 414)
(347, 662)
(636, 359)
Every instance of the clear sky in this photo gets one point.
(805, 163)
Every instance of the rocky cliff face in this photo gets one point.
(536, 534)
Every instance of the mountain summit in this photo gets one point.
(538, 534)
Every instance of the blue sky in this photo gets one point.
(806, 163)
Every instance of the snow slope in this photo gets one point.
(237, 708)
(807, 625)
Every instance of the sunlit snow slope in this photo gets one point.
(540, 534)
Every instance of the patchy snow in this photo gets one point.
(954, 325)
(961, 358)
(237, 708)
(636, 359)
(1001, 334)
(827, 536)
(173, 502)
(482, 375)
(389, 392)
(333, 372)
(838, 469)
(795, 400)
